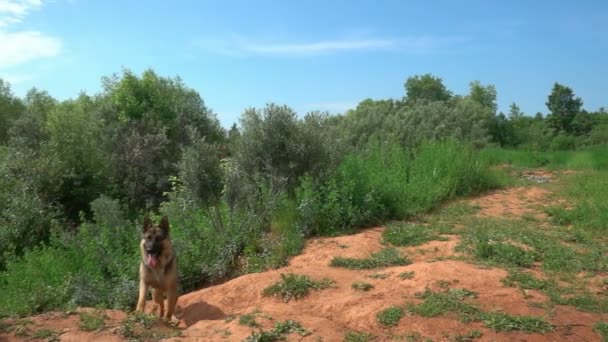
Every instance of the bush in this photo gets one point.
(96, 265)
(387, 182)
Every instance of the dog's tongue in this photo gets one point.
(152, 260)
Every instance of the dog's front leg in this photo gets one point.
(171, 302)
(143, 290)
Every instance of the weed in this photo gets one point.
(506, 322)
(436, 304)
(92, 321)
(291, 326)
(295, 286)
(390, 316)
(249, 320)
(602, 329)
(468, 337)
(277, 333)
(20, 327)
(378, 275)
(385, 258)
(527, 281)
(406, 275)
(409, 234)
(353, 336)
(48, 335)
(362, 286)
(409, 337)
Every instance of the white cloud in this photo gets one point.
(236, 45)
(18, 47)
(22, 47)
(316, 48)
(13, 11)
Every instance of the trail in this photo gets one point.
(212, 314)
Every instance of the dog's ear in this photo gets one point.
(164, 225)
(147, 223)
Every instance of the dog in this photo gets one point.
(158, 268)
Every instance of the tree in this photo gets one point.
(11, 108)
(563, 106)
(426, 87)
(484, 95)
(515, 114)
(29, 130)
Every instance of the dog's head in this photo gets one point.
(155, 240)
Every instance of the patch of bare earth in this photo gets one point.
(514, 203)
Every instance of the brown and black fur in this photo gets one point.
(162, 278)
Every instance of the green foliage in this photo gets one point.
(362, 286)
(408, 234)
(505, 322)
(468, 337)
(387, 182)
(602, 329)
(440, 303)
(96, 265)
(384, 258)
(11, 108)
(563, 106)
(406, 275)
(426, 87)
(277, 333)
(92, 321)
(390, 317)
(353, 336)
(47, 334)
(249, 320)
(504, 253)
(595, 158)
(590, 210)
(295, 286)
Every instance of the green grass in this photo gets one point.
(384, 258)
(596, 158)
(455, 301)
(437, 304)
(295, 286)
(278, 333)
(505, 322)
(249, 320)
(47, 334)
(92, 321)
(291, 326)
(409, 234)
(353, 336)
(602, 329)
(390, 317)
(406, 275)
(362, 286)
(468, 337)
(504, 253)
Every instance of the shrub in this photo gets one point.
(295, 286)
(390, 316)
(385, 258)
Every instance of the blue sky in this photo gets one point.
(326, 55)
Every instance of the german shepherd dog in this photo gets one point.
(158, 267)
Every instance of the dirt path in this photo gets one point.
(212, 314)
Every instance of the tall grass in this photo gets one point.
(388, 182)
(596, 158)
(587, 192)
